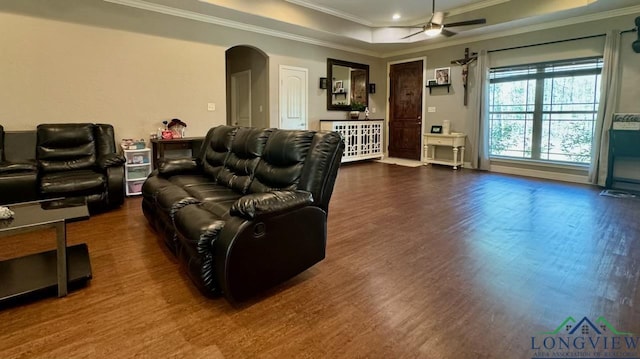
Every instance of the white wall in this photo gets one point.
(93, 61)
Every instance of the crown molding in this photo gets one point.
(167, 10)
(475, 6)
(332, 12)
(531, 28)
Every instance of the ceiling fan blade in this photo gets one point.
(466, 23)
(431, 18)
(447, 33)
(414, 34)
(437, 18)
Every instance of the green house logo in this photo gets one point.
(585, 338)
(585, 325)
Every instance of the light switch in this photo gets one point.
(260, 108)
(211, 106)
(373, 110)
(431, 109)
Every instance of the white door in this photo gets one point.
(241, 98)
(294, 94)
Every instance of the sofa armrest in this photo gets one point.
(110, 160)
(171, 166)
(15, 167)
(258, 204)
(115, 185)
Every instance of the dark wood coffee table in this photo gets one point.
(42, 272)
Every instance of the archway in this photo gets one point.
(247, 87)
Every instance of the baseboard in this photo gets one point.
(540, 174)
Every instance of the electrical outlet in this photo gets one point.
(431, 109)
(211, 106)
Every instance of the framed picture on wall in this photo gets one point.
(338, 87)
(443, 75)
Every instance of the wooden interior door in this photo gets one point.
(405, 110)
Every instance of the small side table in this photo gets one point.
(455, 141)
(158, 146)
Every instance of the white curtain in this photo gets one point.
(479, 137)
(608, 100)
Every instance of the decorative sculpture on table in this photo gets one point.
(6, 213)
(177, 128)
(172, 129)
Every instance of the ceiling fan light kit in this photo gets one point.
(432, 30)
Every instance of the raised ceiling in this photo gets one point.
(366, 26)
(378, 13)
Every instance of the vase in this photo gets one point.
(354, 115)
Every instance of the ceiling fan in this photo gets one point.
(436, 26)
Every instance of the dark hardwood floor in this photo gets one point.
(421, 263)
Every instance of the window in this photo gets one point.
(544, 111)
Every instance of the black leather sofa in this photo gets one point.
(18, 175)
(250, 210)
(68, 160)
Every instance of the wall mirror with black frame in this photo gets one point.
(348, 84)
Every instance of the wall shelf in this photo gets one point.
(448, 86)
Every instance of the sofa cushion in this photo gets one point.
(168, 196)
(198, 228)
(321, 167)
(216, 149)
(186, 180)
(153, 184)
(63, 147)
(246, 149)
(220, 208)
(77, 181)
(11, 167)
(282, 161)
(211, 192)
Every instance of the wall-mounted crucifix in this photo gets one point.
(464, 62)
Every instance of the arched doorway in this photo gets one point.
(247, 74)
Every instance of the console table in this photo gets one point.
(362, 138)
(455, 141)
(159, 146)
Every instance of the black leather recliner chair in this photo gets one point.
(250, 211)
(80, 160)
(17, 178)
